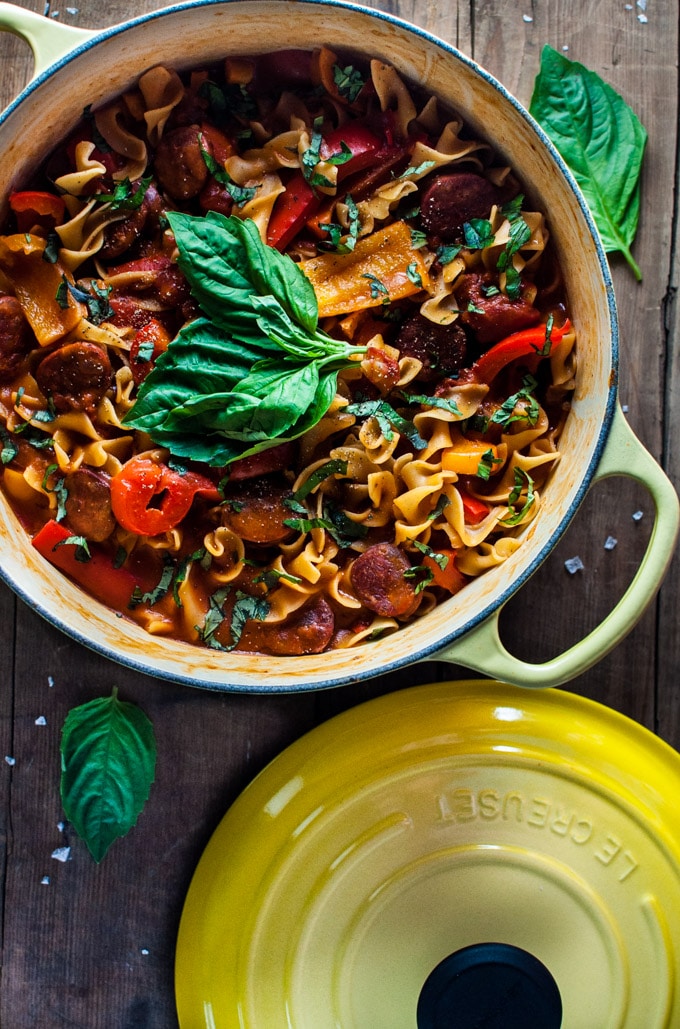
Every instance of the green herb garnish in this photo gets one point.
(602, 141)
(256, 370)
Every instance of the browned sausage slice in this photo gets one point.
(88, 504)
(453, 198)
(255, 510)
(75, 376)
(441, 348)
(179, 163)
(378, 580)
(492, 317)
(307, 631)
(16, 338)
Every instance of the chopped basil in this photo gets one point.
(182, 569)
(246, 607)
(319, 475)
(126, 196)
(82, 551)
(447, 253)
(9, 447)
(505, 414)
(478, 233)
(59, 489)
(160, 590)
(348, 81)
(388, 419)
(486, 465)
(213, 619)
(414, 275)
(522, 480)
(239, 194)
(379, 290)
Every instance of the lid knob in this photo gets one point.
(489, 985)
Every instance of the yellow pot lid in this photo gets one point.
(427, 822)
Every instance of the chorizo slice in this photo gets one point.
(308, 630)
(88, 504)
(121, 235)
(494, 317)
(179, 163)
(75, 376)
(16, 338)
(378, 579)
(271, 460)
(255, 510)
(453, 198)
(442, 349)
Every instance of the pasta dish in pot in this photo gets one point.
(285, 353)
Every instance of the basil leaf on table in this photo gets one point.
(255, 370)
(601, 140)
(108, 760)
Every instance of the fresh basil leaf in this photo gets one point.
(108, 760)
(82, 551)
(601, 140)
(213, 619)
(348, 81)
(478, 234)
(10, 448)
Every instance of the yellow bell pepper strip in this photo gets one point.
(382, 267)
(537, 342)
(467, 455)
(36, 283)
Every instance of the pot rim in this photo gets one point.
(428, 649)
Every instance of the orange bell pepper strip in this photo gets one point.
(536, 342)
(98, 574)
(37, 283)
(382, 267)
(467, 455)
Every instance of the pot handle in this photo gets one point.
(48, 39)
(482, 650)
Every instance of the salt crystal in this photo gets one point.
(45, 881)
(72, 10)
(527, 18)
(61, 854)
(573, 565)
(642, 4)
(50, 681)
(144, 951)
(60, 826)
(624, 408)
(629, 7)
(643, 19)
(565, 48)
(54, 14)
(638, 516)
(610, 543)
(41, 720)
(10, 760)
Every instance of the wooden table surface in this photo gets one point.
(92, 946)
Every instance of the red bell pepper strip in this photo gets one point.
(359, 139)
(475, 510)
(149, 342)
(32, 207)
(98, 575)
(148, 497)
(536, 342)
(291, 210)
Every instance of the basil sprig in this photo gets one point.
(602, 141)
(256, 369)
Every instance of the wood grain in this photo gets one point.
(93, 948)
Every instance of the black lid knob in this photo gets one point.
(490, 986)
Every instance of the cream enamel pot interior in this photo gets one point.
(75, 67)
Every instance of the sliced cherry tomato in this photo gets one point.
(291, 210)
(149, 498)
(32, 207)
(148, 344)
(98, 574)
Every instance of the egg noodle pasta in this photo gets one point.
(285, 347)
